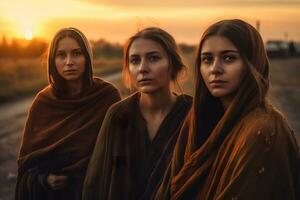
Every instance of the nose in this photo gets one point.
(69, 60)
(216, 67)
(143, 68)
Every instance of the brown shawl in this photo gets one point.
(258, 159)
(60, 134)
(125, 163)
(246, 152)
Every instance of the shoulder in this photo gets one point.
(37, 105)
(103, 87)
(102, 83)
(268, 128)
(123, 108)
(281, 129)
(267, 119)
(45, 93)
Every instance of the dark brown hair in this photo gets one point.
(166, 41)
(57, 82)
(207, 110)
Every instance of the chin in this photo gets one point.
(71, 78)
(218, 93)
(148, 89)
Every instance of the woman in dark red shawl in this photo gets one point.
(63, 122)
(234, 144)
(138, 135)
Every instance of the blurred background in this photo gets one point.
(26, 28)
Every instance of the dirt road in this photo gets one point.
(285, 93)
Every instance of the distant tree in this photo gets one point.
(3, 47)
(15, 49)
(22, 48)
(292, 49)
(104, 49)
(186, 48)
(4, 42)
(35, 48)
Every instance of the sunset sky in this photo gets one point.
(116, 20)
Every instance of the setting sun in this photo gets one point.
(28, 34)
(120, 18)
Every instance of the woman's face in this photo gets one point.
(222, 67)
(69, 60)
(148, 66)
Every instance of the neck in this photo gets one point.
(157, 102)
(74, 87)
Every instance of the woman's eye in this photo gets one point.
(154, 58)
(229, 58)
(134, 61)
(60, 54)
(207, 59)
(77, 53)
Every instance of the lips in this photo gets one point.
(71, 71)
(217, 83)
(145, 81)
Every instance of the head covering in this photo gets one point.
(56, 81)
(221, 154)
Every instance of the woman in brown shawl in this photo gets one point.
(63, 122)
(138, 135)
(234, 143)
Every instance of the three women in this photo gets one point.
(233, 145)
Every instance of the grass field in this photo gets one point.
(23, 77)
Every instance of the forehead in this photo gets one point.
(215, 44)
(143, 46)
(67, 43)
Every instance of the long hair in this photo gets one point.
(55, 80)
(206, 109)
(166, 41)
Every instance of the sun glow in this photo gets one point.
(119, 21)
(28, 34)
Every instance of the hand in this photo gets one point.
(57, 182)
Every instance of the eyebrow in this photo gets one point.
(62, 50)
(147, 54)
(76, 49)
(222, 52)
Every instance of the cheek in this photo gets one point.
(163, 72)
(237, 77)
(57, 63)
(83, 64)
(204, 74)
(132, 74)
(131, 69)
(58, 66)
(240, 72)
(82, 60)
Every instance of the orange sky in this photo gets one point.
(116, 20)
